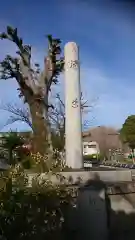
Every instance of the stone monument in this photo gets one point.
(73, 123)
(89, 218)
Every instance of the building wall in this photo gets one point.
(106, 137)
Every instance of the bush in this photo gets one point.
(32, 213)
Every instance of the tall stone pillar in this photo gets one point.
(73, 124)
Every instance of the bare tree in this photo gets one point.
(56, 115)
(34, 84)
(21, 114)
(86, 108)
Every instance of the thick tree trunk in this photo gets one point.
(41, 131)
(49, 133)
(39, 125)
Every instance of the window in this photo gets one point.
(92, 146)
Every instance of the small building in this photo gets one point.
(90, 148)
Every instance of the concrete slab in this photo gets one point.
(82, 177)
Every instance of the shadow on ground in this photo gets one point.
(93, 217)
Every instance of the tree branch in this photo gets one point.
(18, 68)
(29, 80)
(53, 64)
(18, 114)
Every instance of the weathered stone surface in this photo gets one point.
(96, 212)
(73, 125)
(89, 220)
(75, 177)
(122, 217)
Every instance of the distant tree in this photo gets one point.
(127, 132)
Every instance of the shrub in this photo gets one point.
(32, 213)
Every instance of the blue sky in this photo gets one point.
(105, 32)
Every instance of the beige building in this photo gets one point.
(108, 139)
